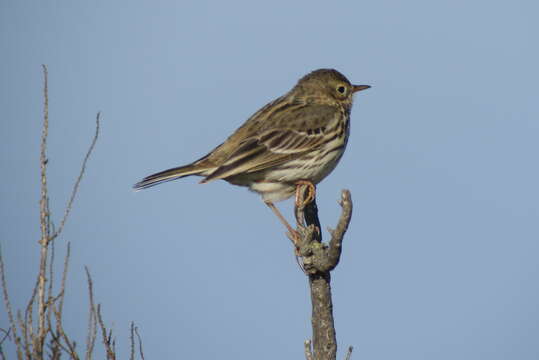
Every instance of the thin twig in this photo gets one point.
(337, 235)
(6, 336)
(92, 321)
(51, 264)
(28, 330)
(57, 340)
(58, 311)
(71, 345)
(54, 346)
(133, 331)
(64, 277)
(107, 338)
(26, 345)
(7, 304)
(139, 343)
(132, 340)
(32, 344)
(50, 297)
(43, 159)
(79, 178)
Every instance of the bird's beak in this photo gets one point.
(356, 88)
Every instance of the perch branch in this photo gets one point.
(318, 260)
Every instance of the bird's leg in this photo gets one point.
(293, 234)
(311, 188)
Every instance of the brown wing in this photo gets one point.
(285, 136)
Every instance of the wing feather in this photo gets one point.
(275, 145)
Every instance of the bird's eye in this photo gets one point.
(341, 89)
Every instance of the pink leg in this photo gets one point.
(293, 233)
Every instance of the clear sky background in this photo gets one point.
(441, 259)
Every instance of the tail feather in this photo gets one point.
(168, 175)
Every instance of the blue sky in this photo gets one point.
(440, 261)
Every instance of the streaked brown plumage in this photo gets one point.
(300, 136)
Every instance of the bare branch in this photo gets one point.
(317, 256)
(71, 345)
(53, 347)
(79, 178)
(107, 338)
(28, 330)
(64, 278)
(39, 339)
(6, 336)
(9, 310)
(43, 160)
(92, 321)
(57, 340)
(318, 260)
(51, 282)
(141, 352)
(337, 235)
(133, 331)
(132, 340)
(108, 342)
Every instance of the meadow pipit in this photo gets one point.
(296, 139)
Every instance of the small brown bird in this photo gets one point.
(297, 139)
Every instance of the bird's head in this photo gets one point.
(328, 86)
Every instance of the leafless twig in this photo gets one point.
(108, 341)
(79, 178)
(7, 303)
(133, 332)
(6, 336)
(39, 338)
(92, 321)
(141, 352)
(132, 341)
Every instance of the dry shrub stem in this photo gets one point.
(139, 339)
(12, 323)
(108, 341)
(45, 336)
(43, 214)
(92, 320)
(319, 259)
(134, 331)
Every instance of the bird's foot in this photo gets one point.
(311, 193)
